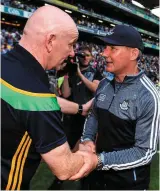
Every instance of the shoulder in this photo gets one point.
(148, 94)
(17, 75)
(147, 87)
(103, 83)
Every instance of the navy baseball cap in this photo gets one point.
(123, 35)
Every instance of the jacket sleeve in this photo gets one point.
(146, 136)
(90, 125)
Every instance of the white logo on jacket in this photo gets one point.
(101, 97)
(124, 105)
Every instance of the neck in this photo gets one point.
(120, 77)
(35, 51)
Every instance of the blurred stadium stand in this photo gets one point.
(93, 17)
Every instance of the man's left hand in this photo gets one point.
(87, 107)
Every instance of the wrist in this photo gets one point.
(80, 74)
(80, 109)
(86, 141)
(99, 162)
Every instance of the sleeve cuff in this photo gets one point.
(86, 139)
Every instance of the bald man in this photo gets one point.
(31, 126)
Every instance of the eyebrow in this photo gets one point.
(112, 46)
(73, 42)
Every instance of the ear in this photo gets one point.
(50, 41)
(134, 53)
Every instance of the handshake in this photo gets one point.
(88, 151)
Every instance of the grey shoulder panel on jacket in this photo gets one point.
(148, 93)
(103, 83)
(148, 89)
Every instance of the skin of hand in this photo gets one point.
(86, 107)
(78, 70)
(90, 163)
(88, 145)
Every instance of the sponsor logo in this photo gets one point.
(110, 32)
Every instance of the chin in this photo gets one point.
(109, 70)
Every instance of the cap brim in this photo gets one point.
(109, 41)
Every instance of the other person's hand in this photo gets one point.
(89, 145)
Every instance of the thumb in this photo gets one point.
(81, 173)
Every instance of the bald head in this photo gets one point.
(49, 18)
(49, 30)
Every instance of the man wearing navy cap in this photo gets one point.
(123, 125)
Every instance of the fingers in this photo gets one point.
(83, 172)
(93, 149)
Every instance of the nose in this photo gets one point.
(106, 52)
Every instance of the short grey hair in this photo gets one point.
(139, 55)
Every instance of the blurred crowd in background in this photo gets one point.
(150, 41)
(31, 8)
(11, 36)
(127, 3)
(104, 28)
(80, 21)
(92, 25)
(19, 5)
(149, 63)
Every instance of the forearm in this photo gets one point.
(126, 159)
(90, 85)
(66, 90)
(67, 107)
(90, 129)
(62, 162)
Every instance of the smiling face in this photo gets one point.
(118, 59)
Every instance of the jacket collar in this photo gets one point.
(132, 78)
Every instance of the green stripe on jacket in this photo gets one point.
(27, 102)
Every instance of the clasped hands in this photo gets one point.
(88, 151)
